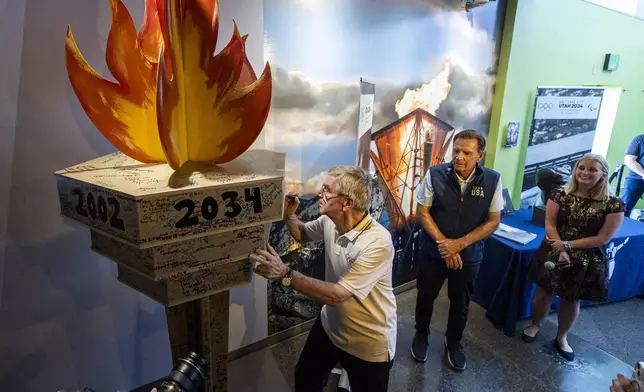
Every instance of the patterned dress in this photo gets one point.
(587, 278)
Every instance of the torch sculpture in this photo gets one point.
(184, 201)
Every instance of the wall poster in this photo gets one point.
(512, 137)
(365, 122)
(432, 68)
(563, 130)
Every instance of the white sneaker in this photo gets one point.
(343, 384)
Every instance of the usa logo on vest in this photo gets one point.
(478, 191)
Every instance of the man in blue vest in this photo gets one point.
(459, 205)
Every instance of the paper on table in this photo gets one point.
(515, 235)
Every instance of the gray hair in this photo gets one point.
(355, 183)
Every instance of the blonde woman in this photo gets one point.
(581, 219)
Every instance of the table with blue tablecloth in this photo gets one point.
(504, 291)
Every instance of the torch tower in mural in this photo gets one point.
(402, 161)
(406, 148)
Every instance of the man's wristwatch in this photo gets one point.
(566, 245)
(286, 280)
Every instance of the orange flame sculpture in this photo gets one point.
(173, 101)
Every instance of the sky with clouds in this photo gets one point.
(319, 49)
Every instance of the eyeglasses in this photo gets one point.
(327, 195)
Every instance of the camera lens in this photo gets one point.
(186, 376)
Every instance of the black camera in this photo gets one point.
(186, 376)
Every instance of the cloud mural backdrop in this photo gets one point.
(319, 49)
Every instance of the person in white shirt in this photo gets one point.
(357, 324)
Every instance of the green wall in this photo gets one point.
(563, 43)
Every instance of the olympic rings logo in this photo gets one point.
(545, 106)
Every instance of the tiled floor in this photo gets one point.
(606, 341)
(617, 328)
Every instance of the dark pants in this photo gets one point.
(633, 190)
(460, 285)
(319, 356)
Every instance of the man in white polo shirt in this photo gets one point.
(357, 325)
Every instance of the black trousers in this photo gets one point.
(319, 356)
(460, 285)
